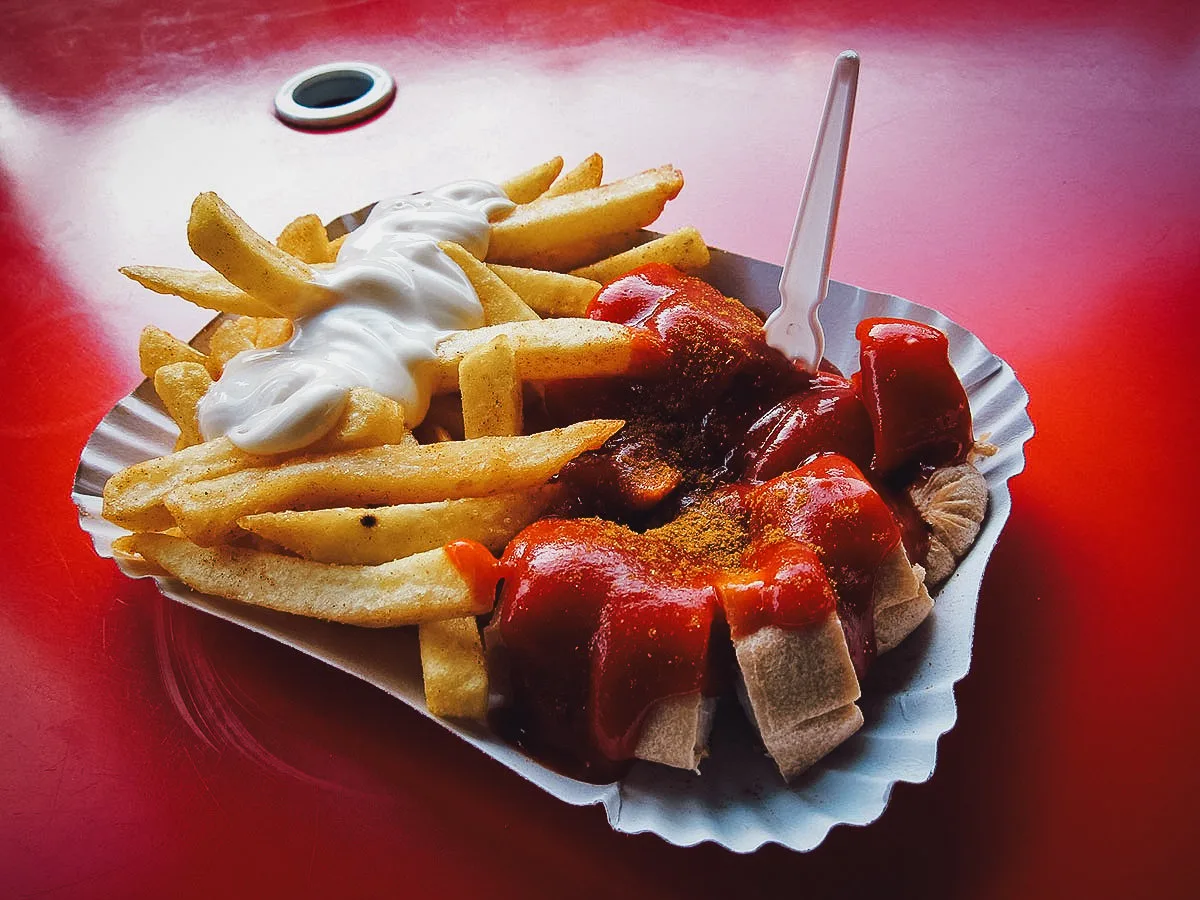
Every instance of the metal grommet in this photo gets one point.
(334, 94)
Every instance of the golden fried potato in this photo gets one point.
(491, 390)
(528, 186)
(588, 174)
(210, 290)
(368, 537)
(684, 249)
(550, 349)
(421, 588)
(565, 257)
(549, 293)
(158, 348)
(621, 206)
(454, 669)
(180, 386)
(134, 497)
(305, 239)
(568, 257)
(236, 335)
(368, 419)
(500, 302)
(231, 337)
(219, 237)
(208, 511)
(271, 332)
(452, 661)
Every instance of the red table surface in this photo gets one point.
(1031, 171)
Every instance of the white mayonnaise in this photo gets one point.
(394, 296)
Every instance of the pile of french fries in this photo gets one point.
(353, 528)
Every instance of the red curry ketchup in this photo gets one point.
(755, 468)
(918, 408)
(782, 584)
(828, 417)
(682, 422)
(478, 568)
(597, 624)
(829, 504)
(709, 339)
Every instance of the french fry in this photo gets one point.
(621, 206)
(454, 669)
(271, 332)
(219, 237)
(208, 511)
(180, 386)
(421, 588)
(452, 660)
(551, 349)
(210, 290)
(588, 174)
(368, 537)
(530, 185)
(549, 293)
(236, 335)
(305, 239)
(491, 390)
(134, 497)
(565, 257)
(368, 419)
(684, 249)
(231, 337)
(158, 348)
(500, 302)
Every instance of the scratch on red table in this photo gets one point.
(203, 780)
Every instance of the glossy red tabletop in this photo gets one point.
(1032, 172)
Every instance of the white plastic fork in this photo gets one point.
(794, 328)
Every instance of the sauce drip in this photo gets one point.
(783, 584)
(478, 568)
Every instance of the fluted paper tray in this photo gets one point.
(738, 800)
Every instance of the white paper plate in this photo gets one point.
(739, 800)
